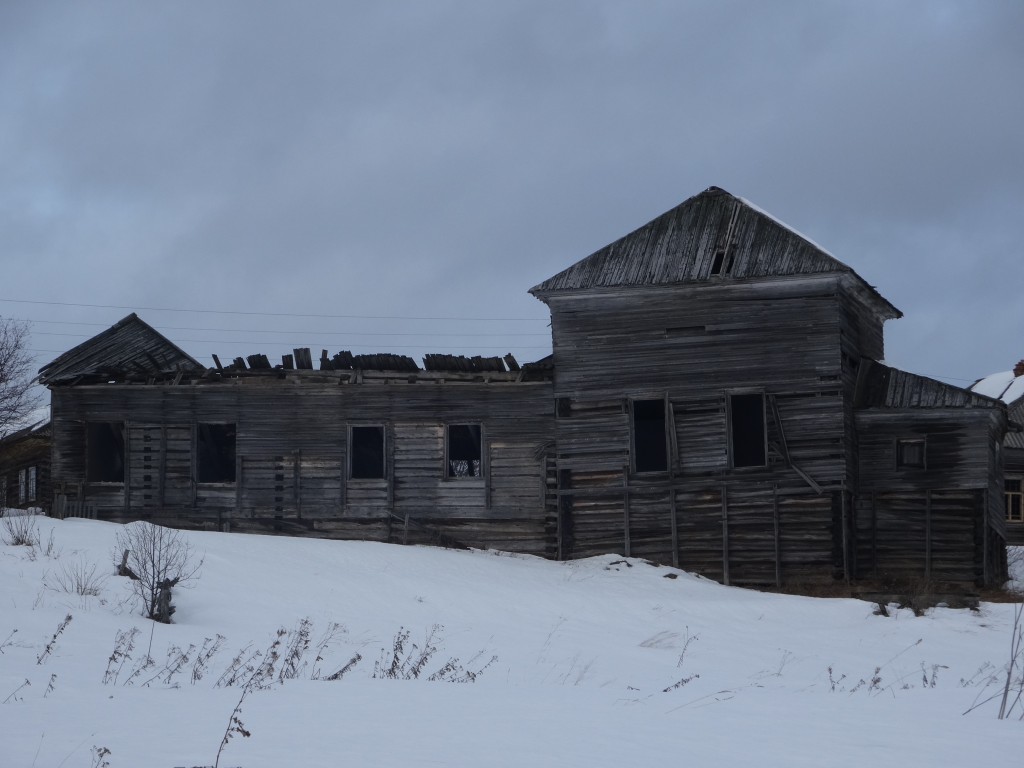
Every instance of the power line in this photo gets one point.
(271, 314)
(296, 333)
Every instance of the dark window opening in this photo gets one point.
(910, 453)
(104, 461)
(721, 263)
(1015, 500)
(367, 456)
(746, 413)
(650, 453)
(464, 450)
(215, 448)
(563, 408)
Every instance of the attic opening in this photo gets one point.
(650, 450)
(722, 263)
(104, 452)
(747, 431)
(215, 453)
(366, 454)
(463, 450)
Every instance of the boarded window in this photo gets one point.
(104, 461)
(215, 453)
(747, 430)
(463, 449)
(1015, 500)
(366, 457)
(650, 452)
(910, 453)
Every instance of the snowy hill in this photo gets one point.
(601, 662)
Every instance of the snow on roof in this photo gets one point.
(1002, 386)
(784, 225)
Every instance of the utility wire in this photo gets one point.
(268, 330)
(270, 314)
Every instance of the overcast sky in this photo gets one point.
(389, 166)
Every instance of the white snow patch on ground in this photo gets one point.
(600, 662)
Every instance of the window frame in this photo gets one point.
(908, 442)
(634, 453)
(731, 426)
(33, 482)
(201, 477)
(481, 440)
(119, 430)
(350, 470)
(1010, 495)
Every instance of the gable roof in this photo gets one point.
(680, 246)
(130, 348)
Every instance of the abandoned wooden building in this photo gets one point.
(1008, 386)
(25, 468)
(713, 401)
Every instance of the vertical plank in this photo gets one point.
(928, 534)
(127, 465)
(846, 539)
(675, 527)
(985, 575)
(162, 477)
(625, 510)
(874, 536)
(297, 481)
(778, 535)
(725, 535)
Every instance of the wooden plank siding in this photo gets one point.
(292, 457)
(928, 522)
(694, 347)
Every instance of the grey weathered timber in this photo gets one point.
(713, 400)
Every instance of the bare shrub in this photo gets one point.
(159, 558)
(77, 577)
(20, 530)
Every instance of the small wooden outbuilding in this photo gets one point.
(25, 468)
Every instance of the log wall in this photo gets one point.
(292, 463)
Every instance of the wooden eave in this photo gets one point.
(881, 386)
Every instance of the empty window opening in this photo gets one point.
(104, 461)
(722, 263)
(367, 453)
(1015, 500)
(463, 450)
(215, 451)
(747, 430)
(910, 453)
(650, 452)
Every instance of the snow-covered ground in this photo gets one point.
(600, 662)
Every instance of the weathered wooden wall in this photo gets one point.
(22, 451)
(933, 523)
(292, 464)
(694, 347)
